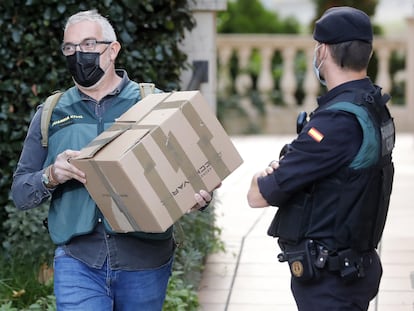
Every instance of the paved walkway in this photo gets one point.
(248, 277)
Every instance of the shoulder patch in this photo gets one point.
(315, 134)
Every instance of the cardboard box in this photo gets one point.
(143, 172)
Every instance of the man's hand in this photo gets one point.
(62, 170)
(271, 167)
(254, 196)
(203, 199)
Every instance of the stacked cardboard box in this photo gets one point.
(143, 172)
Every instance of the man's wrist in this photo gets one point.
(48, 178)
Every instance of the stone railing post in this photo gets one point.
(288, 83)
(383, 76)
(243, 80)
(200, 47)
(265, 81)
(224, 79)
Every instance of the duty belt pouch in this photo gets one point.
(351, 265)
(301, 260)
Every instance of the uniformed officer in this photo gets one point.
(332, 184)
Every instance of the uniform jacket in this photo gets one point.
(346, 206)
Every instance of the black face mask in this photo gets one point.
(84, 67)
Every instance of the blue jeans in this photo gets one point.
(79, 287)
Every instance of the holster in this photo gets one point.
(301, 259)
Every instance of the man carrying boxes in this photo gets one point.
(118, 174)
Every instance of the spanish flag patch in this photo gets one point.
(315, 134)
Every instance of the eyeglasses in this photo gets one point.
(87, 45)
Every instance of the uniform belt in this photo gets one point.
(347, 258)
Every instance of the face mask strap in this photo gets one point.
(317, 67)
(323, 60)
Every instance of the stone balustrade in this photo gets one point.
(281, 118)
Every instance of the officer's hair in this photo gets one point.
(354, 55)
(108, 31)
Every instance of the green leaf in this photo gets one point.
(61, 8)
(16, 35)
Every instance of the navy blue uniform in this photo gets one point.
(313, 157)
(322, 153)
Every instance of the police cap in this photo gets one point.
(340, 24)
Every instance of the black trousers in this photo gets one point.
(330, 293)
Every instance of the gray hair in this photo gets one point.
(108, 31)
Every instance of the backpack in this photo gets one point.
(50, 103)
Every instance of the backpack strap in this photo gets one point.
(48, 107)
(146, 89)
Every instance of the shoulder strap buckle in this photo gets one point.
(146, 89)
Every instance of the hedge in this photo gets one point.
(31, 67)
